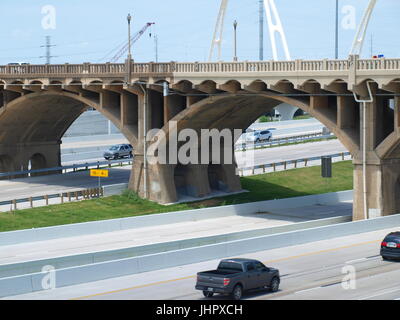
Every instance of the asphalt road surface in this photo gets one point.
(318, 270)
(166, 233)
(38, 186)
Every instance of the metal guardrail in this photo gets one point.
(69, 168)
(96, 165)
(279, 141)
(285, 164)
(83, 194)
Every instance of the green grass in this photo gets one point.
(277, 185)
(303, 117)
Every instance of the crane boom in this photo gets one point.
(134, 38)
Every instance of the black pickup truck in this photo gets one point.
(234, 276)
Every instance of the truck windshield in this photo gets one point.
(230, 266)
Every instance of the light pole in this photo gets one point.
(337, 31)
(129, 18)
(235, 58)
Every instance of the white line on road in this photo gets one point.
(356, 260)
(380, 294)
(306, 290)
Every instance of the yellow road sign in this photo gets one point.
(99, 173)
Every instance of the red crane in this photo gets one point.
(134, 38)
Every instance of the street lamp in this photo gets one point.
(235, 58)
(337, 31)
(129, 18)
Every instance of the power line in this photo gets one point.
(48, 47)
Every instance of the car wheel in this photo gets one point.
(274, 286)
(208, 294)
(130, 155)
(237, 292)
(116, 156)
(385, 258)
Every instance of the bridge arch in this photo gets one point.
(235, 111)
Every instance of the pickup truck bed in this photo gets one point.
(233, 276)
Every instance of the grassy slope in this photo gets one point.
(278, 185)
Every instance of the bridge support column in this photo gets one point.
(159, 186)
(382, 162)
(383, 189)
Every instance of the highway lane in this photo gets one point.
(285, 153)
(74, 245)
(50, 184)
(309, 271)
(91, 148)
(38, 186)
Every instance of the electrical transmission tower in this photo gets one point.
(48, 47)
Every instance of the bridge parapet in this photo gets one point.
(199, 67)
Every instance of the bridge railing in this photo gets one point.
(201, 67)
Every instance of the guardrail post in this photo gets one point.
(14, 202)
(305, 162)
(46, 197)
(285, 165)
(274, 166)
(31, 202)
(76, 196)
(62, 197)
(342, 156)
(295, 164)
(69, 196)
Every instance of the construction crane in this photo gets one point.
(134, 38)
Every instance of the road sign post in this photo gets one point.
(100, 174)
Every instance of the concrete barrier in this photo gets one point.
(117, 268)
(96, 227)
(21, 268)
(114, 189)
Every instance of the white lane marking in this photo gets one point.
(380, 294)
(356, 260)
(306, 290)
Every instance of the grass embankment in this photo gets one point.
(269, 119)
(277, 185)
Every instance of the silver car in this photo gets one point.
(119, 151)
(258, 136)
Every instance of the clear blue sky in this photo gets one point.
(87, 30)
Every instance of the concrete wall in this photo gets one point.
(95, 227)
(15, 269)
(91, 123)
(117, 268)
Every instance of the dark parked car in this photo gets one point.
(390, 246)
(118, 151)
(234, 276)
